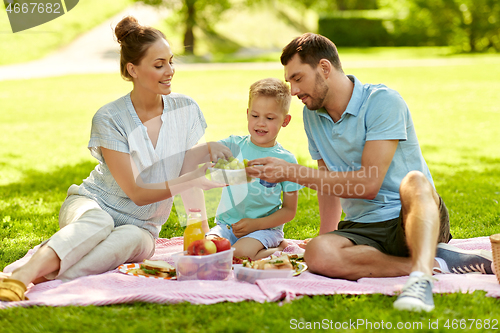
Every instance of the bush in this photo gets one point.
(354, 31)
(358, 31)
(415, 33)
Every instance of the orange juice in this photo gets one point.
(193, 230)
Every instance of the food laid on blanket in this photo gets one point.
(222, 244)
(295, 258)
(206, 246)
(157, 267)
(216, 266)
(201, 247)
(150, 268)
(239, 260)
(275, 267)
(187, 267)
(230, 172)
(282, 262)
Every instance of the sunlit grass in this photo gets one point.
(354, 313)
(45, 125)
(453, 107)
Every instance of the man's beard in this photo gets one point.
(320, 91)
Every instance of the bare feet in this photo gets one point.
(43, 262)
(4, 275)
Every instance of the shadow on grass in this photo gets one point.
(30, 207)
(473, 199)
(38, 187)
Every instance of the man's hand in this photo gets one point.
(243, 227)
(270, 169)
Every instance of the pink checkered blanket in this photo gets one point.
(114, 287)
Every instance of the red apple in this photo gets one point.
(213, 271)
(206, 272)
(221, 243)
(223, 269)
(187, 266)
(201, 247)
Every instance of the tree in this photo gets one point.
(201, 13)
(472, 25)
(335, 5)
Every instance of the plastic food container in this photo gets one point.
(229, 177)
(215, 266)
(251, 275)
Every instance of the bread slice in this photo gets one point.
(158, 265)
(282, 262)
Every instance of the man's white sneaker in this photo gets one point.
(465, 261)
(416, 295)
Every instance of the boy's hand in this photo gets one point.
(243, 227)
(270, 169)
(218, 150)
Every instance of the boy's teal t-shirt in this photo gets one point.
(255, 199)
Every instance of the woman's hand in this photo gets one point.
(199, 179)
(218, 150)
(243, 227)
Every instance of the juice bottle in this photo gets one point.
(193, 230)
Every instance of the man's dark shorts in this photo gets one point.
(389, 236)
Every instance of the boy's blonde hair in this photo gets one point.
(272, 87)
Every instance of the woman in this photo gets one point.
(145, 145)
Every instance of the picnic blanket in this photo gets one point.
(114, 287)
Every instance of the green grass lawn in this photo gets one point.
(46, 125)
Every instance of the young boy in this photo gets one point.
(254, 222)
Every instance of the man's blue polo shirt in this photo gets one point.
(374, 112)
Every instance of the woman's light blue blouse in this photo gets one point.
(116, 126)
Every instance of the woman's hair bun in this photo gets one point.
(125, 27)
(134, 40)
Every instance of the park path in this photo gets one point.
(93, 52)
(96, 51)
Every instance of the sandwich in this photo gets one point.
(296, 256)
(281, 262)
(158, 268)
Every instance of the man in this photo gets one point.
(371, 167)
